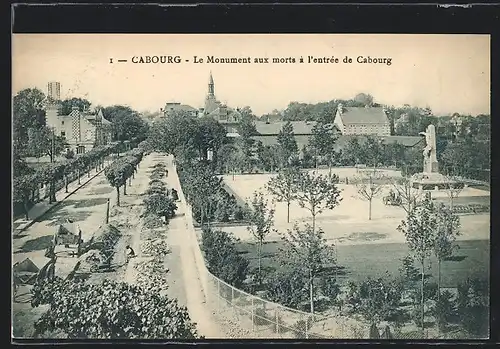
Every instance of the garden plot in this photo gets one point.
(348, 223)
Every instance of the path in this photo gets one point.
(21, 224)
(184, 282)
(87, 207)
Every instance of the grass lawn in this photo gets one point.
(472, 259)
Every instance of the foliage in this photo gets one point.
(27, 113)
(43, 142)
(379, 299)
(287, 286)
(324, 137)
(473, 305)
(222, 258)
(307, 248)
(261, 219)
(287, 144)
(368, 187)
(284, 186)
(126, 123)
(68, 104)
(152, 221)
(445, 310)
(316, 193)
(110, 310)
(404, 190)
(160, 204)
(419, 230)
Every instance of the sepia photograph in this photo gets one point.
(251, 186)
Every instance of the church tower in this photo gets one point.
(210, 102)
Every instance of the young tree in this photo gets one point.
(317, 193)
(453, 189)
(308, 248)
(283, 187)
(420, 232)
(109, 310)
(261, 221)
(287, 143)
(116, 174)
(448, 229)
(369, 186)
(324, 136)
(404, 190)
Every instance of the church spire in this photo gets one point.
(211, 86)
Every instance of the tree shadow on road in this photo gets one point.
(36, 244)
(101, 191)
(60, 217)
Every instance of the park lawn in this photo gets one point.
(481, 200)
(359, 262)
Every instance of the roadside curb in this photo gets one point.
(50, 208)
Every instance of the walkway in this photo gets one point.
(183, 278)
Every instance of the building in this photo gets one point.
(171, 107)
(268, 135)
(82, 129)
(362, 121)
(54, 90)
(225, 115)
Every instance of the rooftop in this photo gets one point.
(357, 115)
(273, 128)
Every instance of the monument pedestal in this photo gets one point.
(434, 181)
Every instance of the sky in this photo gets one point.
(448, 73)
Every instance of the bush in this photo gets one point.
(473, 306)
(110, 310)
(222, 257)
(152, 221)
(444, 311)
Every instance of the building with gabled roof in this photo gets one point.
(362, 121)
(171, 107)
(82, 130)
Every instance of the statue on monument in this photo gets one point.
(430, 157)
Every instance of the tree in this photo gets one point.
(283, 187)
(43, 141)
(420, 231)
(261, 221)
(109, 310)
(453, 189)
(27, 113)
(372, 150)
(309, 249)
(324, 137)
(68, 104)
(448, 229)
(117, 175)
(369, 186)
(365, 99)
(404, 190)
(268, 156)
(126, 122)
(287, 143)
(317, 193)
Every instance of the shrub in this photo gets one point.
(152, 221)
(110, 310)
(444, 311)
(473, 306)
(161, 205)
(222, 257)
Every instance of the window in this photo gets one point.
(62, 122)
(63, 134)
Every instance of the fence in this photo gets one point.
(247, 316)
(254, 317)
